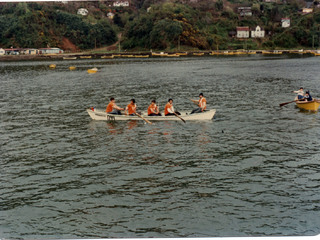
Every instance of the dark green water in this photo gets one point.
(253, 170)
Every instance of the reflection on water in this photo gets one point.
(253, 170)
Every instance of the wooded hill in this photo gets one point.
(158, 25)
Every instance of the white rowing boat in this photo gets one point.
(102, 115)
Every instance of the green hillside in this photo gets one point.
(158, 25)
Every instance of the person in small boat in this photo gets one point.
(153, 109)
(308, 97)
(169, 110)
(300, 93)
(202, 104)
(131, 108)
(112, 107)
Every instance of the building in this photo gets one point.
(121, 4)
(2, 51)
(50, 50)
(285, 22)
(83, 11)
(12, 51)
(29, 51)
(245, 11)
(243, 32)
(307, 10)
(258, 32)
(110, 15)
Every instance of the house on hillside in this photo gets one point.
(307, 10)
(50, 51)
(258, 32)
(2, 51)
(245, 11)
(121, 4)
(285, 22)
(83, 11)
(243, 32)
(110, 15)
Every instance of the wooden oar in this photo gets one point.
(146, 120)
(282, 104)
(179, 117)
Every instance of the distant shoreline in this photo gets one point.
(73, 56)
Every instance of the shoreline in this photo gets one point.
(74, 56)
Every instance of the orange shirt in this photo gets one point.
(110, 107)
(203, 103)
(131, 108)
(167, 107)
(152, 108)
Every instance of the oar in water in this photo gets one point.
(282, 104)
(146, 120)
(179, 117)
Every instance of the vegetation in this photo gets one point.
(158, 25)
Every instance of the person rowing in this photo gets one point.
(112, 107)
(202, 104)
(131, 108)
(169, 110)
(300, 93)
(153, 109)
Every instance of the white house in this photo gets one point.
(2, 51)
(285, 22)
(243, 32)
(307, 10)
(50, 50)
(121, 4)
(110, 15)
(83, 11)
(245, 11)
(258, 32)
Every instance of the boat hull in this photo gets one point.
(310, 106)
(102, 115)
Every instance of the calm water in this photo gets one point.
(253, 170)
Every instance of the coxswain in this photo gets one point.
(112, 107)
(300, 93)
(169, 110)
(308, 96)
(131, 108)
(202, 104)
(153, 109)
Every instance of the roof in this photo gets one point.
(242, 28)
(49, 48)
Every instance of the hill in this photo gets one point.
(159, 25)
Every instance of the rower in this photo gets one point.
(169, 110)
(153, 109)
(112, 108)
(202, 104)
(300, 93)
(131, 108)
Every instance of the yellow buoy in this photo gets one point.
(72, 68)
(52, 66)
(92, 70)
